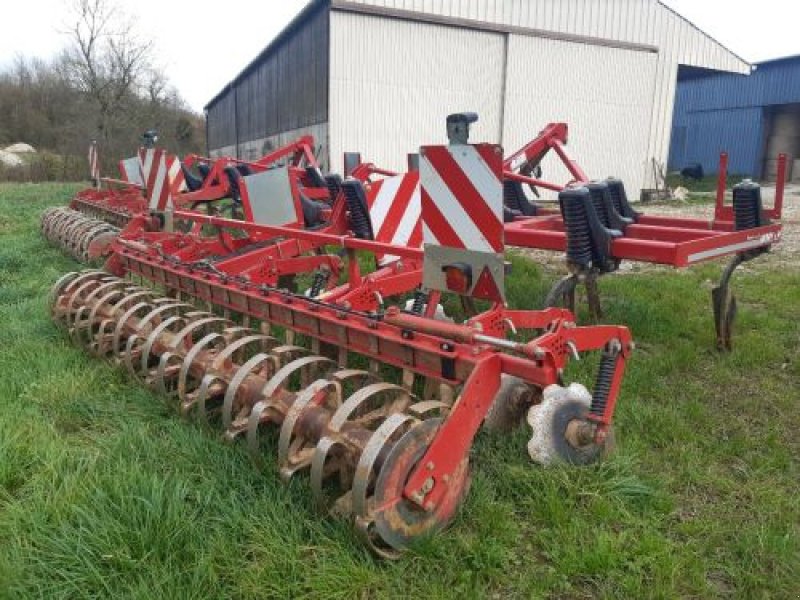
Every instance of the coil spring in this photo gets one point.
(579, 240)
(359, 217)
(615, 190)
(596, 194)
(602, 386)
(334, 184)
(420, 300)
(510, 195)
(318, 283)
(746, 209)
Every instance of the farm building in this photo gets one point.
(752, 118)
(379, 77)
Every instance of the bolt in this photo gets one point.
(429, 466)
(427, 486)
(538, 353)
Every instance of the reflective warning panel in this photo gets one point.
(462, 219)
(163, 177)
(394, 207)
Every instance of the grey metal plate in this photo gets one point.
(133, 170)
(271, 197)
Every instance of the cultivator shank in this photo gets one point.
(597, 228)
(378, 404)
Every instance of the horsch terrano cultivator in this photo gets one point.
(393, 455)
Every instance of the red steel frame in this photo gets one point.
(675, 241)
(473, 355)
(455, 354)
(120, 200)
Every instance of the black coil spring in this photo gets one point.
(615, 190)
(511, 195)
(318, 284)
(597, 195)
(420, 300)
(746, 209)
(334, 183)
(359, 217)
(602, 386)
(579, 240)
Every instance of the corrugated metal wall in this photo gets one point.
(627, 21)
(605, 94)
(731, 113)
(285, 90)
(634, 21)
(221, 119)
(393, 82)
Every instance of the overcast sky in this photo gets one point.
(202, 45)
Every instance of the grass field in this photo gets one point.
(104, 493)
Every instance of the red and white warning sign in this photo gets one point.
(394, 208)
(94, 164)
(462, 219)
(163, 177)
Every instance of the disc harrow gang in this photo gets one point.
(85, 238)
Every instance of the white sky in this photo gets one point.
(202, 45)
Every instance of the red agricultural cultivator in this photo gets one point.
(94, 218)
(597, 228)
(377, 398)
(595, 225)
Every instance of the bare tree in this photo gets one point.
(107, 60)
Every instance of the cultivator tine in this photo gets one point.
(563, 292)
(724, 303)
(592, 296)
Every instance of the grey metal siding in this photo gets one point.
(393, 83)
(648, 22)
(286, 89)
(221, 121)
(605, 94)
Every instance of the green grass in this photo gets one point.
(103, 493)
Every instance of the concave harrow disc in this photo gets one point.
(358, 437)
